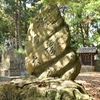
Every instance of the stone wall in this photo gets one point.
(97, 65)
(89, 68)
(12, 63)
(13, 68)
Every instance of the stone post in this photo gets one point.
(8, 66)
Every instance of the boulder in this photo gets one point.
(48, 51)
(31, 88)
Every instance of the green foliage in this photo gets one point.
(20, 51)
(32, 12)
(83, 18)
(96, 39)
(9, 93)
(6, 24)
(61, 2)
(1, 37)
(9, 18)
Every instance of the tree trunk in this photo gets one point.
(19, 25)
(82, 33)
(25, 28)
(16, 30)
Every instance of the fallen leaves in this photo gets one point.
(91, 82)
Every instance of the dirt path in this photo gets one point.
(91, 82)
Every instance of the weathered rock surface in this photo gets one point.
(46, 89)
(48, 51)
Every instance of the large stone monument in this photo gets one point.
(50, 60)
(48, 51)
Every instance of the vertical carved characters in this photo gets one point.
(48, 50)
(35, 61)
(50, 47)
(36, 40)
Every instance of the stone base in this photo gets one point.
(87, 68)
(31, 88)
(5, 72)
(97, 65)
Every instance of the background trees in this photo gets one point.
(82, 16)
(84, 20)
(17, 17)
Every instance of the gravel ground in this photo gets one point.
(91, 82)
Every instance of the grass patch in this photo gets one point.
(20, 51)
(9, 92)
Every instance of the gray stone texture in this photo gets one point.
(12, 63)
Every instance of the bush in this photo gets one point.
(9, 92)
